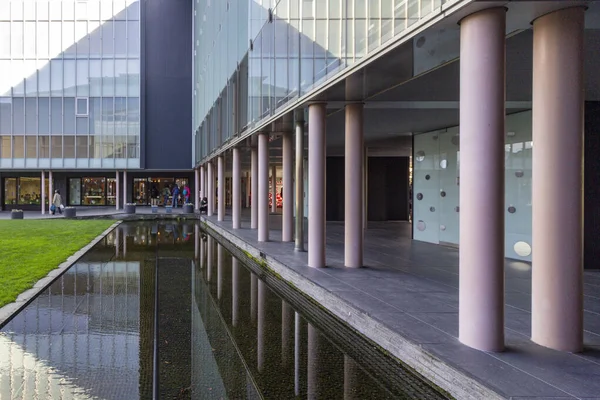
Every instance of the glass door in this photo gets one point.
(74, 191)
(140, 191)
(111, 191)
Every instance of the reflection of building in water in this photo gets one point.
(82, 332)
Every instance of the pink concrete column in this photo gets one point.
(263, 187)
(273, 189)
(50, 188)
(353, 205)
(117, 184)
(236, 206)
(196, 189)
(299, 195)
(44, 193)
(557, 184)
(316, 185)
(254, 189)
(210, 209)
(287, 228)
(202, 190)
(221, 189)
(124, 188)
(482, 111)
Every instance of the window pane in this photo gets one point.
(82, 147)
(44, 115)
(18, 115)
(133, 78)
(5, 39)
(82, 106)
(43, 78)
(120, 77)
(31, 144)
(31, 80)
(55, 39)
(108, 80)
(108, 116)
(120, 39)
(69, 75)
(83, 88)
(69, 47)
(30, 116)
(56, 115)
(42, 40)
(18, 147)
(56, 77)
(82, 126)
(56, 146)
(16, 39)
(95, 78)
(69, 115)
(82, 39)
(44, 146)
(93, 191)
(10, 191)
(69, 147)
(95, 115)
(29, 39)
(5, 115)
(133, 38)
(108, 49)
(95, 33)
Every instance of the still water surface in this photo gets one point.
(220, 331)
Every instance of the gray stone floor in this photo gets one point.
(88, 211)
(412, 288)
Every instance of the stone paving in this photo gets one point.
(89, 212)
(412, 288)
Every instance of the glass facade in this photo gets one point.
(253, 57)
(25, 191)
(70, 84)
(436, 162)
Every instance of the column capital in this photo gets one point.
(485, 10)
(584, 7)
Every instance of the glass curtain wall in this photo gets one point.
(436, 163)
(70, 83)
(253, 57)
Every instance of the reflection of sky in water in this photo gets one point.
(83, 332)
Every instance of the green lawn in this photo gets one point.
(29, 249)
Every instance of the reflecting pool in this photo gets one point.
(161, 310)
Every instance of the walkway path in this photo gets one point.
(406, 299)
(88, 212)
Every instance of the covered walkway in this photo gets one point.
(411, 289)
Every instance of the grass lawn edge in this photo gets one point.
(8, 311)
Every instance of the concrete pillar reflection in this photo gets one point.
(287, 333)
(299, 192)
(117, 240)
(236, 206)
(353, 203)
(44, 193)
(351, 370)
(263, 187)
(254, 189)
(220, 272)
(314, 363)
(482, 113)
(273, 189)
(221, 188)
(365, 184)
(211, 189)
(209, 257)
(297, 353)
(235, 291)
(196, 243)
(557, 183)
(260, 344)
(253, 296)
(316, 185)
(202, 260)
(196, 189)
(287, 228)
(117, 184)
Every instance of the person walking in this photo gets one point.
(175, 195)
(56, 203)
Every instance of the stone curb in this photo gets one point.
(11, 309)
(454, 381)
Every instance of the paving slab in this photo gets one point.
(406, 300)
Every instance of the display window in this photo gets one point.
(111, 191)
(140, 191)
(75, 191)
(10, 191)
(93, 191)
(25, 191)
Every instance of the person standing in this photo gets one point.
(186, 193)
(56, 202)
(175, 195)
(166, 193)
(154, 195)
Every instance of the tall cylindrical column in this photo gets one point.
(196, 189)
(482, 111)
(117, 184)
(273, 189)
(353, 204)
(236, 206)
(50, 188)
(263, 187)
(210, 209)
(287, 228)
(202, 187)
(299, 192)
(124, 188)
(254, 189)
(316, 185)
(558, 108)
(44, 193)
(221, 188)
(248, 190)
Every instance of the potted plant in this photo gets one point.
(16, 214)
(70, 212)
(188, 208)
(129, 208)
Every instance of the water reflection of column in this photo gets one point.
(209, 258)
(253, 295)
(117, 240)
(287, 338)
(202, 252)
(350, 379)
(260, 347)
(297, 345)
(125, 244)
(196, 242)
(219, 271)
(235, 285)
(313, 363)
